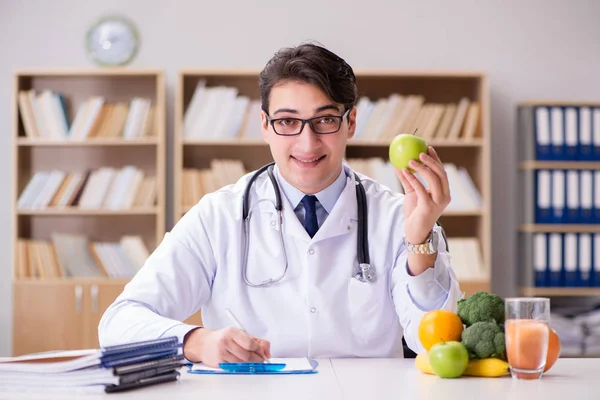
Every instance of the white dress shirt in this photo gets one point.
(317, 309)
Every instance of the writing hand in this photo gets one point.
(224, 345)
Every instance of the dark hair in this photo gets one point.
(311, 64)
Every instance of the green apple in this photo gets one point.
(406, 147)
(448, 359)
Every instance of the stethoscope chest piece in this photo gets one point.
(366, 274)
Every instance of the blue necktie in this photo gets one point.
(310, 215)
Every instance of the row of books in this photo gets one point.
(566, 259)
(570, 133)
(45, 115)
(103, 188)
(466, 259)
(197, 182)
(384, 118)
(567, 196)
(114, 368)
(221, 113)
(74, 255)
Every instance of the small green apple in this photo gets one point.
(406, 147)
(448, 359)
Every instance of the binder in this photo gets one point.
(557, 133)
(558, 196)
(571, 148)
(570, 260)
(585, 260)
(276, 366)
(543, 196)
(540, 257)
(596, 133)
(573, 207)
(586, 152)
(586, 185)
(555, 261)
(541, 128)
(596, 198)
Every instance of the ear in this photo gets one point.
(351, 122)
(264, 126)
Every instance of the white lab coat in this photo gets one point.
(317, 309)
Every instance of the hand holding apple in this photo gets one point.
(422, 207)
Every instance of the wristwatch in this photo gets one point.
(427, 247)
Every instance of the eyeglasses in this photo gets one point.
(322, 125)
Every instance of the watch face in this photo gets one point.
(112, 41)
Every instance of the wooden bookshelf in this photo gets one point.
(72, 124)
(244, 145)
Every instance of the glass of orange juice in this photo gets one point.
(526, 335)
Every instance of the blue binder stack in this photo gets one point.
(109, 369)
(563, 193)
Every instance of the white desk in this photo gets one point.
(365, 379)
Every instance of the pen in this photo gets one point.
(239, 325)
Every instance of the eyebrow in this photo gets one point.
(318, 110)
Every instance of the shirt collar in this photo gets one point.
(327, 197)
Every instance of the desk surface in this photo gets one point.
(366, 378)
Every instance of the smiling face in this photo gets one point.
(308, 161)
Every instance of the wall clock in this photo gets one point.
(112, 41)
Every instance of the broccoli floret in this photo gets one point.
(481, 307)
(483, 340)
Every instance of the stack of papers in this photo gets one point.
(110, 369)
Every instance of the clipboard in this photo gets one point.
(276, 366)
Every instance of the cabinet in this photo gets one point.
(60, 314)
(88, 196)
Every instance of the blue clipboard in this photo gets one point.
(255, 369)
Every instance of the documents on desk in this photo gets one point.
(275, 366)
(109, 369)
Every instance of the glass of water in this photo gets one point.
(527, 334)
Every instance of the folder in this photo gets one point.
(543, 188)
(558, 196)
(555, 262)
(586, 190)
(540, 257)
(596, 196)
(596, 133)
(557, 133)
(585, 259)
(541, 126)
(571, 149)
(570, 260)
(108, 369)
(586, 151)
(573, 202)
(275, 366)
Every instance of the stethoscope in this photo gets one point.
(364, 272)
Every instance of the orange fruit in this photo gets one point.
(439, 326)
(553, 350)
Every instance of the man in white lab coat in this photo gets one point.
(318, 308)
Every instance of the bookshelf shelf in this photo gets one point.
(575, 291)
(152, 211)
(201, 155)
(351, 143)
(560, 228)
(88, 196)
(559, 165)
(89, 142)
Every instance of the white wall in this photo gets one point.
(531, 49)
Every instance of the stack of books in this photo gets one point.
(105, 370)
